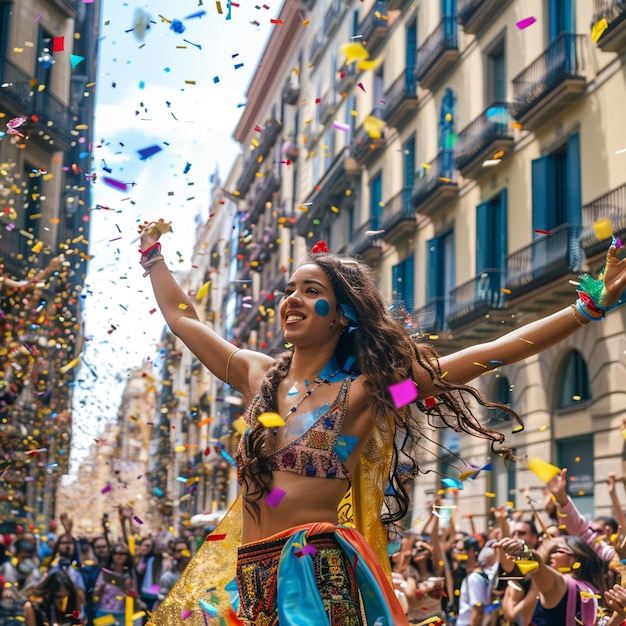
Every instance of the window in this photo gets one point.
(408, 163)
(573, 382)
(556, 187)
(379, 93)
(440, 273)
(496, 72)
(329, 148)
(6, 11)
(561, 17)
(43, 67)
(448, 8)
(411, 45)
(577, 455)
(376, 198)
(403, 282)
(491, 234)
(351, 119)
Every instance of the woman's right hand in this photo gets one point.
(152, 231)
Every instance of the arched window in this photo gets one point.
(501, 393)
(573, 382)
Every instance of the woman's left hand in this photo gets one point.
(614, 278)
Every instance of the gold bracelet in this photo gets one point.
(230, 356)
(574, 310)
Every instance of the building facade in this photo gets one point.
(473, 160)
(48, 57)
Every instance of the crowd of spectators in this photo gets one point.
(552, 567)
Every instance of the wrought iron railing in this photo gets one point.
(54, 117)
(546, 259)
(15, 85)
(444, 37)
(610, 206)
(431, 319)
(491, 125)
(476, 297)
(564, 59)
(332, 17)
(317, 47)
(436, 173)
(398, 209)
(362, 240)
(405, 86)
(362, 141)
(375, 19)
(262, 195)
(613, 11)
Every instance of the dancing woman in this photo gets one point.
(323, 422)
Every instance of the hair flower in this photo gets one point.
(319, 247)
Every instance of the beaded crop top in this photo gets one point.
(314, 445)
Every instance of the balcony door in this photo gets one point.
(408, 164)
(491, 234)
(440, 274)
(403, 283)
(561, 18)
(411, 45)
(376, 198)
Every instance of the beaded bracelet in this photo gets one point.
(590, 312)
(575, 314)
(151, 253)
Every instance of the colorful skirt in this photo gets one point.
(317, 574)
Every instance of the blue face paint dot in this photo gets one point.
(322, 308)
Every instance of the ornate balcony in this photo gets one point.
(347, 78)
(339, 177)
(551, 82)
(374, 28)
(16, 88)
(431, 319)
(263, 194)
(438, 53)
(365, 245)
(476, 15)
(435, 185)
(316, 49)
(398, 219)
(332, 19)
(365, 148)
(401, 99)
(475, 298)
(613, 39)
(553, 258)
(51, 117)
(611, 206)
(328, 106)
(14, 251)
(268, 138)
(291, 92)
(483, 138)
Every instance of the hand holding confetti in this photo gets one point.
(152, 231)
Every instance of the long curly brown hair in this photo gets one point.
(383, 352)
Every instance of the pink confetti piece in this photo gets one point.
(526, 22)
(309, 549)
(117, 184)
(138, 519)
(404, 392)
(275, 496)
(185, 614)
(341, 126)
(360, 85)
(38, 17)
(106, 488)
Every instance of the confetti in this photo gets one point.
(598, 29)
(603, 228)
(404, 392)
(341, 126)
(137, 519)
(58, 44)
(526, 22)
(146, 153)
(275, 496)
(215, 537)
(543, 470)
(116, 184)
(271, 420)
(75, 59)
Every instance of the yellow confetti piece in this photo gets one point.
(240, 425)
(179, 449)
(528, 341)
(203, 291)
(490, 494)
(542, 428)
(506, 291)
(271, 420)
(306, 22)
(182, 306)
(577, 566)
(564, 570)
(373, 126)
(598, 29)
(479, 364)
(426, 166)
(543, 470)
(68, 366)
(37, 247)
(105, 620)
(518, 429)
(354, 51)
(369, 64)
(603, 228)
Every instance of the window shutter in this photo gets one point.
(573, 207)
(409, 283)
(411, 45)
(376, 190)
(543, 195)
(432, 269)
(502, 236)
(409, 163)
(397, 290)
(483, 239)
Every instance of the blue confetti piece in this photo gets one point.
(344, 446)
(228, 457)
(146, 153)
(208, 608)
(452, 483)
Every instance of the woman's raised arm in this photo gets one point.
(240, 368)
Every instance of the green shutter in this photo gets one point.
(483, 236)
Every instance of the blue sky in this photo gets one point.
(154, 89)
